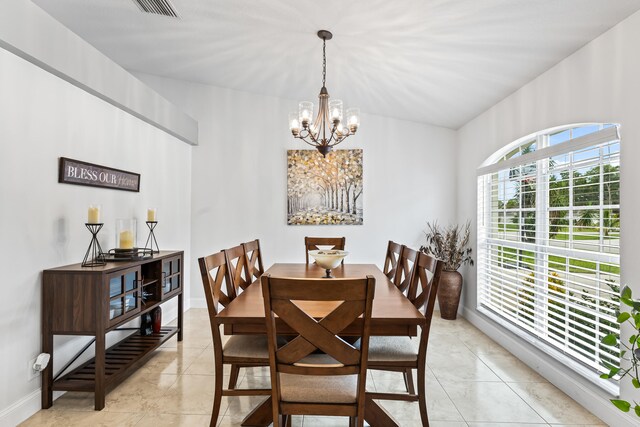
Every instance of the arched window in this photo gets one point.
(549, 242)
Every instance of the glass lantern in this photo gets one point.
(294, 124)
(335, 110)
(305, 113)
(126, 236)
(353, 119)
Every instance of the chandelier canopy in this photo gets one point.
(329, 127)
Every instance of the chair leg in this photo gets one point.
(235, 372)
(352, 421)
(217, 399)
(282, 420)
(422, 398)
(408, 381)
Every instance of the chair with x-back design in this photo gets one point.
(253, 256)
(391, 260)
(303, 381)
(239, 280)
(403, 353)
(406, 263)
(238, 268)
(239, 350)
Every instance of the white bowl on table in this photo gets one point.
(328, 259)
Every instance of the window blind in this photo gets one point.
(549, 243)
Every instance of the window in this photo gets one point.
(549, 242)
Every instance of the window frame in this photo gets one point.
(541, 157)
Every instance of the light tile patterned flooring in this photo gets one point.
(471, 382)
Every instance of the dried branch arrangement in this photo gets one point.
(449, 244)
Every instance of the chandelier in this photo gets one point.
(328, 129)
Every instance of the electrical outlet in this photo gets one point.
(32, 373)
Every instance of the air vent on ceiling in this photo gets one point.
(159, 7)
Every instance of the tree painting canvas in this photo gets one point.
(324, 190)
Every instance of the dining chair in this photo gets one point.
(317, 372)
(253, 256)
(403, 353)
(391, 260)
(239, 350)
(405, 271)
(311, 243)
(238, 268)
(239, 278)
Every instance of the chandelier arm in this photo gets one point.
(338, 141)
(305, 141)
(307, 135)
(333, 135)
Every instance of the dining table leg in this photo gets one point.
(374, 414)
(260, 416)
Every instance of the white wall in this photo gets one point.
(34, 35)
(239, 177)
(42, 222)
(599, 83)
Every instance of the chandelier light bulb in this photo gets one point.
(294, 124)
(353, 119)
(305, 111)
(335, 106)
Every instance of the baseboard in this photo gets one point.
(31, 403)
(198, 303)
(24, 408)
(556, 373)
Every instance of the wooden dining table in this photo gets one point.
(392, 315)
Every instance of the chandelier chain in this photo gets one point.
(324, 61)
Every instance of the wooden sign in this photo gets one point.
(82, 173)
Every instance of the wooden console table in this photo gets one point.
(96, 300)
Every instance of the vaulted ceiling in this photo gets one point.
(435, 61)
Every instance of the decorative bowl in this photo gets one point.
(328, 259)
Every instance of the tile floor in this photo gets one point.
(471, 382)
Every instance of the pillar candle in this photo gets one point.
(126, 239)
(151, 214)
(93, 215)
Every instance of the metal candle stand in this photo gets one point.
(151, 239)
(94, 257)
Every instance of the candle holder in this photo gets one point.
(94, 257)
(151, 239)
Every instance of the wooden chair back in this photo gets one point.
(355, 297)
(213, 269)
(406, 269)
(253, 256)
(391, 260)
(424, 287)
(237, 268)
(311, 243)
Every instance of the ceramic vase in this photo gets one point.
(156, 315)
(146, 324)
(449, 292)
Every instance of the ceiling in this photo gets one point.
(441, 62)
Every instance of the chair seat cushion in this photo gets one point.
(250, 346)
(393, 349)
(318, 388)
(321, 389)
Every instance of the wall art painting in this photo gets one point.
(324, 190)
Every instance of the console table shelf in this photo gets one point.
(94, 301)
(120, 360)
